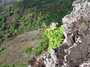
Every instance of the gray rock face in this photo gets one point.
(51, 59)
(77, 33)
(33, 62)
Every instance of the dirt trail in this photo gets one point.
(15, 53)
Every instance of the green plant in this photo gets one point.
(42, 46)
(8, 65)
(55, 36)
(2, 49)
(3, 27)
(5, 65)
(1, 40)
(23, 40)
(22, 65)
(12, 65)
(9, 35)
(28, 50)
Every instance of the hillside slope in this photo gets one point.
(21, 21)
(30, 15)
(14, 52)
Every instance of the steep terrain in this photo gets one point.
(75, 50)
(20, 25)
(29, 15)
(15, 54)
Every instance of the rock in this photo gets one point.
(33, 62)
(53, 25)
(77, 34)
(51, 59)
(85, 64)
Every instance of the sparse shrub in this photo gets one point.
(9, 35)
(23, 40)
(1, 40)
(22, 65)
(28, 50)
(2, 49)
(5, 66)
(42, 46)
(3, 27)
(9, 66)
(12, 65)
(10, 14)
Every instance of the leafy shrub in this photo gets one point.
(9, 35)
(28, 50)
(3, 27)
(23, 40)
(42, 46)
(8, 66)
(2, 49)
(1, 40)
(55, 36)
(22, 65)
(5, 66)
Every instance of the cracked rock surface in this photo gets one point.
(77, 33)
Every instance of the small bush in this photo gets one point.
(9, 66)
(28, 50)
(2, 49)
(42, 46)
(55, 36)
(5, 66)
(9, 35)
(1, 40)
(23, 40)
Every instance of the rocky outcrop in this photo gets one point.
(33, 62)
(75, 50)
(77, 33)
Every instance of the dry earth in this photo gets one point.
(15, 53)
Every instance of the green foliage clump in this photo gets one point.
(42, 46)
(28, 50)
(2, 49)
(9, 35)
(5, 66)
(22, 65)
(55, 36)
(8, 65)
(1, 41)
(23, 40)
